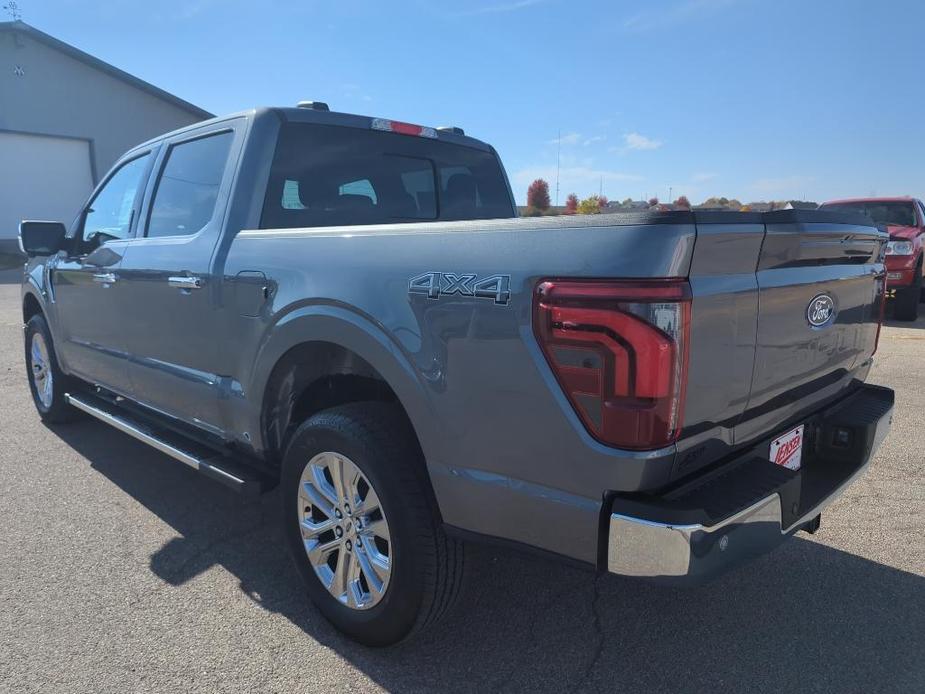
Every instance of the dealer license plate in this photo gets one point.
(787, 450)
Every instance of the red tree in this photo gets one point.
(683, 203)
(571, 204)
(602, 201)
(653, 202)
(538, 195)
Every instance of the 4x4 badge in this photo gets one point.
(435, 284)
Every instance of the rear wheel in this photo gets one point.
(46, 381)
(907, 299)
(360, 523)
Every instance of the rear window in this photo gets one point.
(325, 175)
(891, 213)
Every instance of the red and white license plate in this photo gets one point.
(787, 450)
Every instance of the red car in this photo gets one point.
(904, 218)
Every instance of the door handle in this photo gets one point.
(185, 282)
(104, 277)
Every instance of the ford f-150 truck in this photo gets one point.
(904, 219)
(347, 307)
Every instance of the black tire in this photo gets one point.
(907, 299)
(426, 565)
(53, 409)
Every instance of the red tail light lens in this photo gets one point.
(619, 350)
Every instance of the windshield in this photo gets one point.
(890, 213)
(325, 175)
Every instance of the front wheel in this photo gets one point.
(360, 522)
(46, 380)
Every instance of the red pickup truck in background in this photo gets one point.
(904, 218)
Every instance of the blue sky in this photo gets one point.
(753, 99)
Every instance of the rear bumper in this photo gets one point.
(750, 505)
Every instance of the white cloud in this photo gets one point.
(703, 176)
(593, 140)
(500, 7)
(641, 142)
(567, 139)
(686, 10)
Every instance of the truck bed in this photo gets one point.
(504, 447)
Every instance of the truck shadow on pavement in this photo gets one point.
(805, 618)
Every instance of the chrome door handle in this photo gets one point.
(104, 277)
(185, 282)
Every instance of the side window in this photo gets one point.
(109, 215)
(922, 212)
(186, 193)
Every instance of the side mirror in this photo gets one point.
(41, 238)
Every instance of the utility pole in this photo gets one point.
(600, 190)
(669, 193)
(558, 152)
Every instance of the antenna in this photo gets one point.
(12, 9)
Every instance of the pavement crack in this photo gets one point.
(598, 630)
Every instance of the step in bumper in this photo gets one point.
(650, 539)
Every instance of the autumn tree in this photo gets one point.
(571, 204)
(602, 201)
(653, 202)
(538, 195)
(591, 205)
(682, 203)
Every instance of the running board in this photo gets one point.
(212, 465)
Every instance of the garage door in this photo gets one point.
(41, 178)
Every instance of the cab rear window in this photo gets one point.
(329, 176)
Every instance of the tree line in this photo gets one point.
(539, 204)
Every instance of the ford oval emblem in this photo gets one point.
(821, 310)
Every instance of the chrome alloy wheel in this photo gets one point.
(40, 367)
(344, 530)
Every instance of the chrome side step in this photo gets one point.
(213, 466)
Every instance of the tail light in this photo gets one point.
(394, 126)
(881, 297)
(619, 350)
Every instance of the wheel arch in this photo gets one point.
(323, 356)
(31, 306)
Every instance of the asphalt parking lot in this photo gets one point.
(121, 570)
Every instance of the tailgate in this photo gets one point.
(820, 279)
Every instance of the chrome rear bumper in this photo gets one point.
(678, 553)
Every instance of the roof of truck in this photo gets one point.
(294, 114)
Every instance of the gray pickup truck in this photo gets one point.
(347, 307)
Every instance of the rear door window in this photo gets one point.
(186, 193)
(329, 175)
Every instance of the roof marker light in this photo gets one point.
(313, 105)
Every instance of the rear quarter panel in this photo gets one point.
(506, 453)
